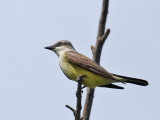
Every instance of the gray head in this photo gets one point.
(60, 46)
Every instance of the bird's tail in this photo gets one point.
(133, 80)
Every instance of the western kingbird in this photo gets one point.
(74, 64)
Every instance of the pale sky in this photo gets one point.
(33, 87)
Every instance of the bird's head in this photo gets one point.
(60, 46)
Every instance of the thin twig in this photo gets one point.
(77, 112)
(73, 110)
(79, 97)
(104, 37)
(93, 49)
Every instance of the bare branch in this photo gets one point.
(103, 18)
(106, 34)
(101, 37)
(77, 112)
(88, 104)
(79, 97)
(73, 110)
(93, 49)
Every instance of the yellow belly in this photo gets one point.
(91, 80)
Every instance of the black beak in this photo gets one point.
(49, 47)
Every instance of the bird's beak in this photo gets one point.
(49, 47)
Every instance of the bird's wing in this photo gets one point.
(87, 63)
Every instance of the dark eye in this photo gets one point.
(60, 43)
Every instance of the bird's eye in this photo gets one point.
(60, 43)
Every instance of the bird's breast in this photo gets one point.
(68, 68)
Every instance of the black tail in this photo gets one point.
(133, 80)
(112, 86)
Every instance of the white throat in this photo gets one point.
(60, 50)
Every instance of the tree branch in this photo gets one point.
(77, 112)
(102, 21)
(101, 37)
(105, 36)
(101, 30)
(73, 110)
(79, 97)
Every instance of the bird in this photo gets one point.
(74, 64)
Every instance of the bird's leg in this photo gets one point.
(80, 80)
